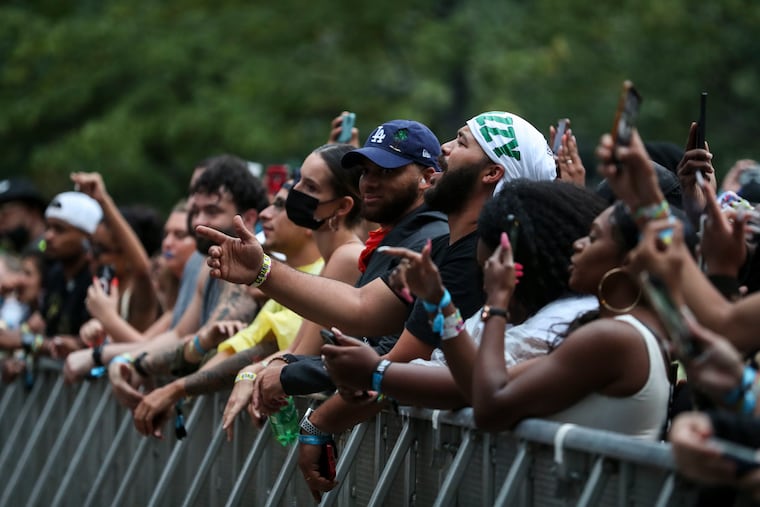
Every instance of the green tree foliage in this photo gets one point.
(142, 90)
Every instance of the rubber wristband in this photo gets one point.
(266, 267)
(197, 346)
(735, 395)
(137, 363)
(313, 439)
(123, 358)
(437, 324)
(245, 375)
(97, 355)
(378, 374)
(748, 403)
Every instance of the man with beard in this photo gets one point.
(491, 148)
(474, 163)
(226, 188)
(397, 163)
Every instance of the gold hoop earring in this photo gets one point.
(603, 300)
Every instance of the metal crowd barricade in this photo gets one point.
(73, 445)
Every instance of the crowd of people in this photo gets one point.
(480, 272)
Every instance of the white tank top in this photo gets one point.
(640, 415)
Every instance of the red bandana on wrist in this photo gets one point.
(374, 239)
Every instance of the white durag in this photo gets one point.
(515, 144)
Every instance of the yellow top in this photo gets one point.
(273, 317)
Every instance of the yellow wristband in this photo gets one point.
(245, 375)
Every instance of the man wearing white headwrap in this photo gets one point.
(70, 220)
(515, 144)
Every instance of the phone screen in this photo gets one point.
(561, 127)
(514, 232)
(626, 115)
(327, 460)
(328, 336)
(702, 124)
(670, 316)
(105, 276)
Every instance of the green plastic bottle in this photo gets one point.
(285, 423)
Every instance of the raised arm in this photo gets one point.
(92, 184)
(321, 300)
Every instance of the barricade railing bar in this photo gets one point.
(73, 445)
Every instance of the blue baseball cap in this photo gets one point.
(398, 143)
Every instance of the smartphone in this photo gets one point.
(746, 458)
(346, 126)
(327, 460)
(558, 133)
(105, 277)
(513, 233)
(702, 123)
(626, 115)
(328, 337)
(277, 175)
(670, 316)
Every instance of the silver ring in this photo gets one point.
(569, 161)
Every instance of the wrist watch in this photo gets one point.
(308, 428)
(489, 311)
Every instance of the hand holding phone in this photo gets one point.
(327, 460)
(662, 303)
(702, 123)
(106, 275)
(346, 127)
(328, 337)
(559, 131)
(626, 115)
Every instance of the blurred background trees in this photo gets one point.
(141, 90)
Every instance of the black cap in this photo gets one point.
(21, 189)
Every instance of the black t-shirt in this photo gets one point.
(63, 306)
(463, 278)
(308, 375)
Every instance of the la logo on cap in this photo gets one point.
(378, 136)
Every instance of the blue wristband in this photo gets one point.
(313, 439)
(123, 358)
(197, 346)
(378, 374)
(733, 396)
(438, 310)
(748, 404)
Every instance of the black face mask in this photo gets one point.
(16, 239)
(301, 207)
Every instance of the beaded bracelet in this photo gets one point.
(245, 375)
(653, 211)
(266, 267)
(453, 325)
(438, 310)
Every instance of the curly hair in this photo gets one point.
(345, 181)
(230, 173)
(550, 216)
